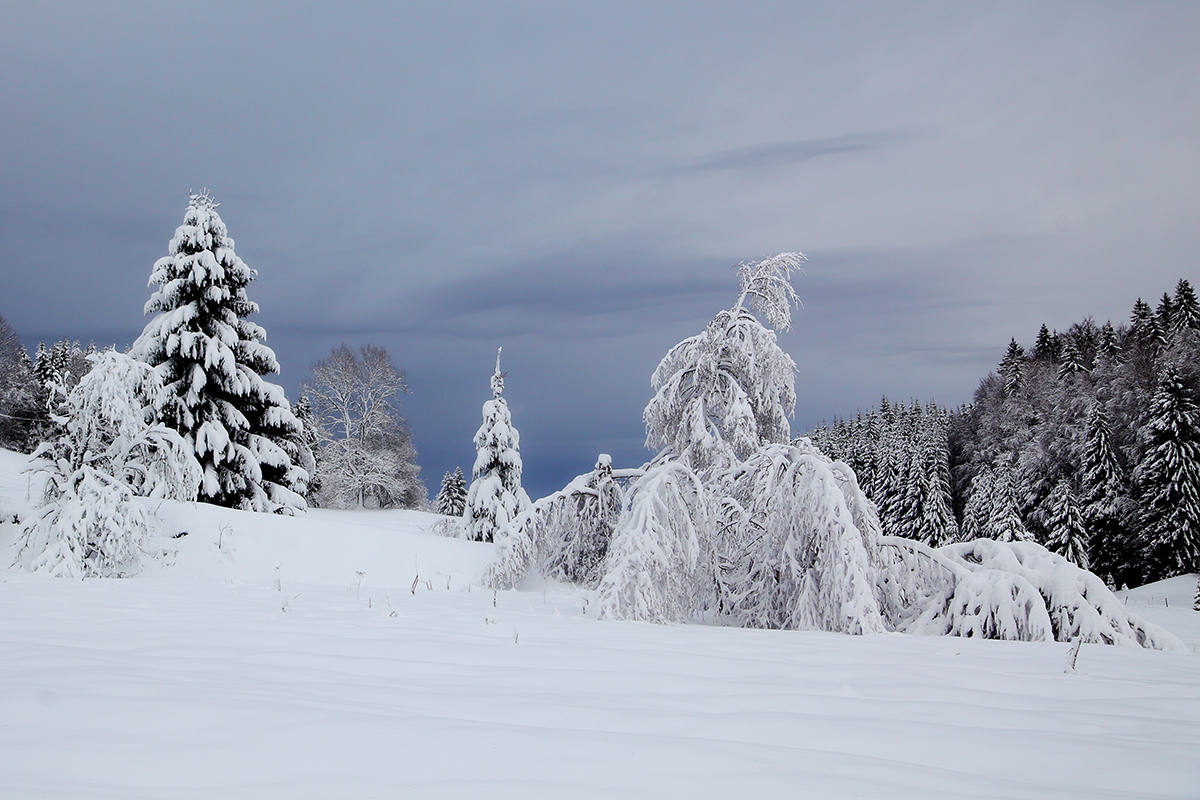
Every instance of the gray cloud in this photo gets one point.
(774, 155)
(574, 182)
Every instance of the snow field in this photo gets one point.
(192, 681)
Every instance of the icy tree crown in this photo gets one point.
(497, 377)
(768, 286)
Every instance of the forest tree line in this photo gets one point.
(1087, 442)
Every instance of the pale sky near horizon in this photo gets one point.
(575, 182)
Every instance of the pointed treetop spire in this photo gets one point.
(202, 199)
(498, 376)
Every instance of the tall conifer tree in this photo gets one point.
(212, 361)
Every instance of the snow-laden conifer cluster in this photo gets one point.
(212, 361)
(451, 498)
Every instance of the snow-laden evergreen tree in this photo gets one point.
(1044, 347)
(1067, 535)
(725, 392)
(1169, 479)
(309, 446)
(22, 409)
(1072, 359)
(1166, 313)
(1187, 308)
(1196, 601)
(495, 497)
(452, 496)
(89, 522)
(1104, 494)
(1012, 367)
(212, 361)
(1005, 523)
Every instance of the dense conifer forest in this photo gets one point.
(1087, 442)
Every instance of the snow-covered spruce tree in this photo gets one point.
(1067, 534)
(1012, 367)
(1169, 480)
(22, 408)
(495, 497)
(441, 503)
(1104, 496)
(88, 522)
(212, 361)
(1196, 600)
(309, 445)
(723, 393)
(452, 497)
(366, 452)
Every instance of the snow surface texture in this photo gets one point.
(203, 679)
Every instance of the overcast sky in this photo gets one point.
(574, 181)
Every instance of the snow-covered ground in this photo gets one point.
(203, 679)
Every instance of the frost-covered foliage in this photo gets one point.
(578, 532)
(1068, 536)
(452, 496)
(797, 543)
(1104, 408)
(900, 455)
(1007, 590)
(211, 360)
(1170, 477)
(723, 393)
(658, 565)
(365, 452)
(495, 497)
(22, 402)
(785, 539)
(89, 522)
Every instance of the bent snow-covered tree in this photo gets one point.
(723, 393)
(88, 522)
(212, 361)
(495, 497)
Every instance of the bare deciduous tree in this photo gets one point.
(367, 453)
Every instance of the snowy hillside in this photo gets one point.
(297, 658)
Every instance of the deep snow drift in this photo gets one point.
(255, 661)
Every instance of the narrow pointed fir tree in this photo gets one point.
(1141, 322)
(1004, 523)
(1196, 601)
(1187, 309)
(1072, 359)
(1103, 489)
(1169, 476)
(727, 391)
(1166, 313)
(495, 497)
(1012, 367)
(212, 361)
(1067, 534)
(1043, 348)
